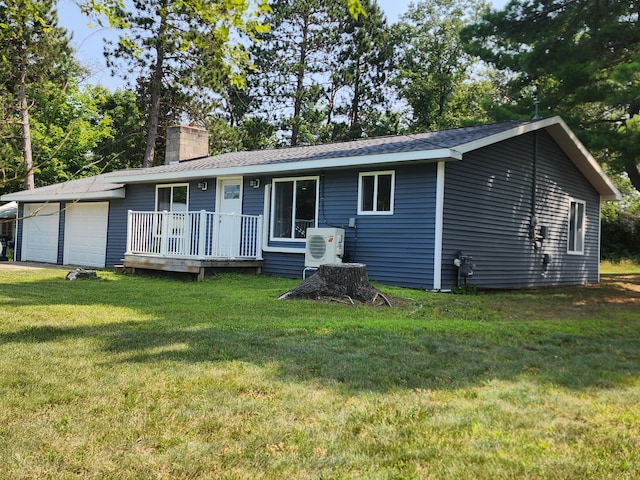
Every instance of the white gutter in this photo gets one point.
(142, 176)
(28, 197)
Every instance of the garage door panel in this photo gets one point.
(40, 229)
(85, 234)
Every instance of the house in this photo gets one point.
(519, 200)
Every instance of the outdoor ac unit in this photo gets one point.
(324, 245)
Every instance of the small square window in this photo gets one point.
(376, 192)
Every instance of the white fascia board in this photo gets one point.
(24, 197)
(298, 166)
(508, 134)
(584, 161)
(569, 143)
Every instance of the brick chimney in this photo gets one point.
(185, 142)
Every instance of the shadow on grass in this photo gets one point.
(361, 355)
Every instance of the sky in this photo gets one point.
(89, 45)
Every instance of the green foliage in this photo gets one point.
(621, 237)
(585, 57)
(45, 118)
(186, 49)
(291, 61)
(434, 74)
(123, 146)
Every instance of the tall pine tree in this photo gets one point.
(585, 57)
(184, 47)
(37, 64)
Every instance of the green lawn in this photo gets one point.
(148, 378)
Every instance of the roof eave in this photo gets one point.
(29, 197)
(569, 143)
(285, 167)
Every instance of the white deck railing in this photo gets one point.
(195, 235)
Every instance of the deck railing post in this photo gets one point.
(202, 234)
(259, 238)
(129, 231)
(164, 232)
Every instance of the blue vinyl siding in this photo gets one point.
(138, 198)
(397, 249)
(487, 212)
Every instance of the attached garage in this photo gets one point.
(40, 232)
(80, 222)
(85, 234)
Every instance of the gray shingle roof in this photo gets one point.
(447, 144)
(72, 189)
(442, 139)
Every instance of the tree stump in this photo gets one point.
(339, 281)
(81, 274)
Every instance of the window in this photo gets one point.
(376, 190)
(576, 227)
(294, 207)
(172, 198)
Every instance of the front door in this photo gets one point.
(229, 202)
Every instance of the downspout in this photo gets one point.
(439, 226)
(534, 189)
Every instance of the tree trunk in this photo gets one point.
(297, 104)
(341, 280)
(154, 111)
(634, 175)
(27, 155)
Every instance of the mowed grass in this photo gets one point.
(134, 377)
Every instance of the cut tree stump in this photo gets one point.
(81, 274)
(337, 281)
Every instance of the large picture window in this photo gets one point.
(172, 198)
(294, 207)
(576, 227)
(376, 192)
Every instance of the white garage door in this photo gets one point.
(85, 234)
(40, 232)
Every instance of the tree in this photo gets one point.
(584, 55)
(434, 70)
(182, 46)
(31, 41)
(293, 63)
(123, 146)
(360, 90)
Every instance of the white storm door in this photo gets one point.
(40, 228)
(85, 234)
(229, 202)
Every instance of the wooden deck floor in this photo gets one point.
(199, 267)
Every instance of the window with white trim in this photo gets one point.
(294, 207)
(172, 198)
(376, 192)
(576, 227)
